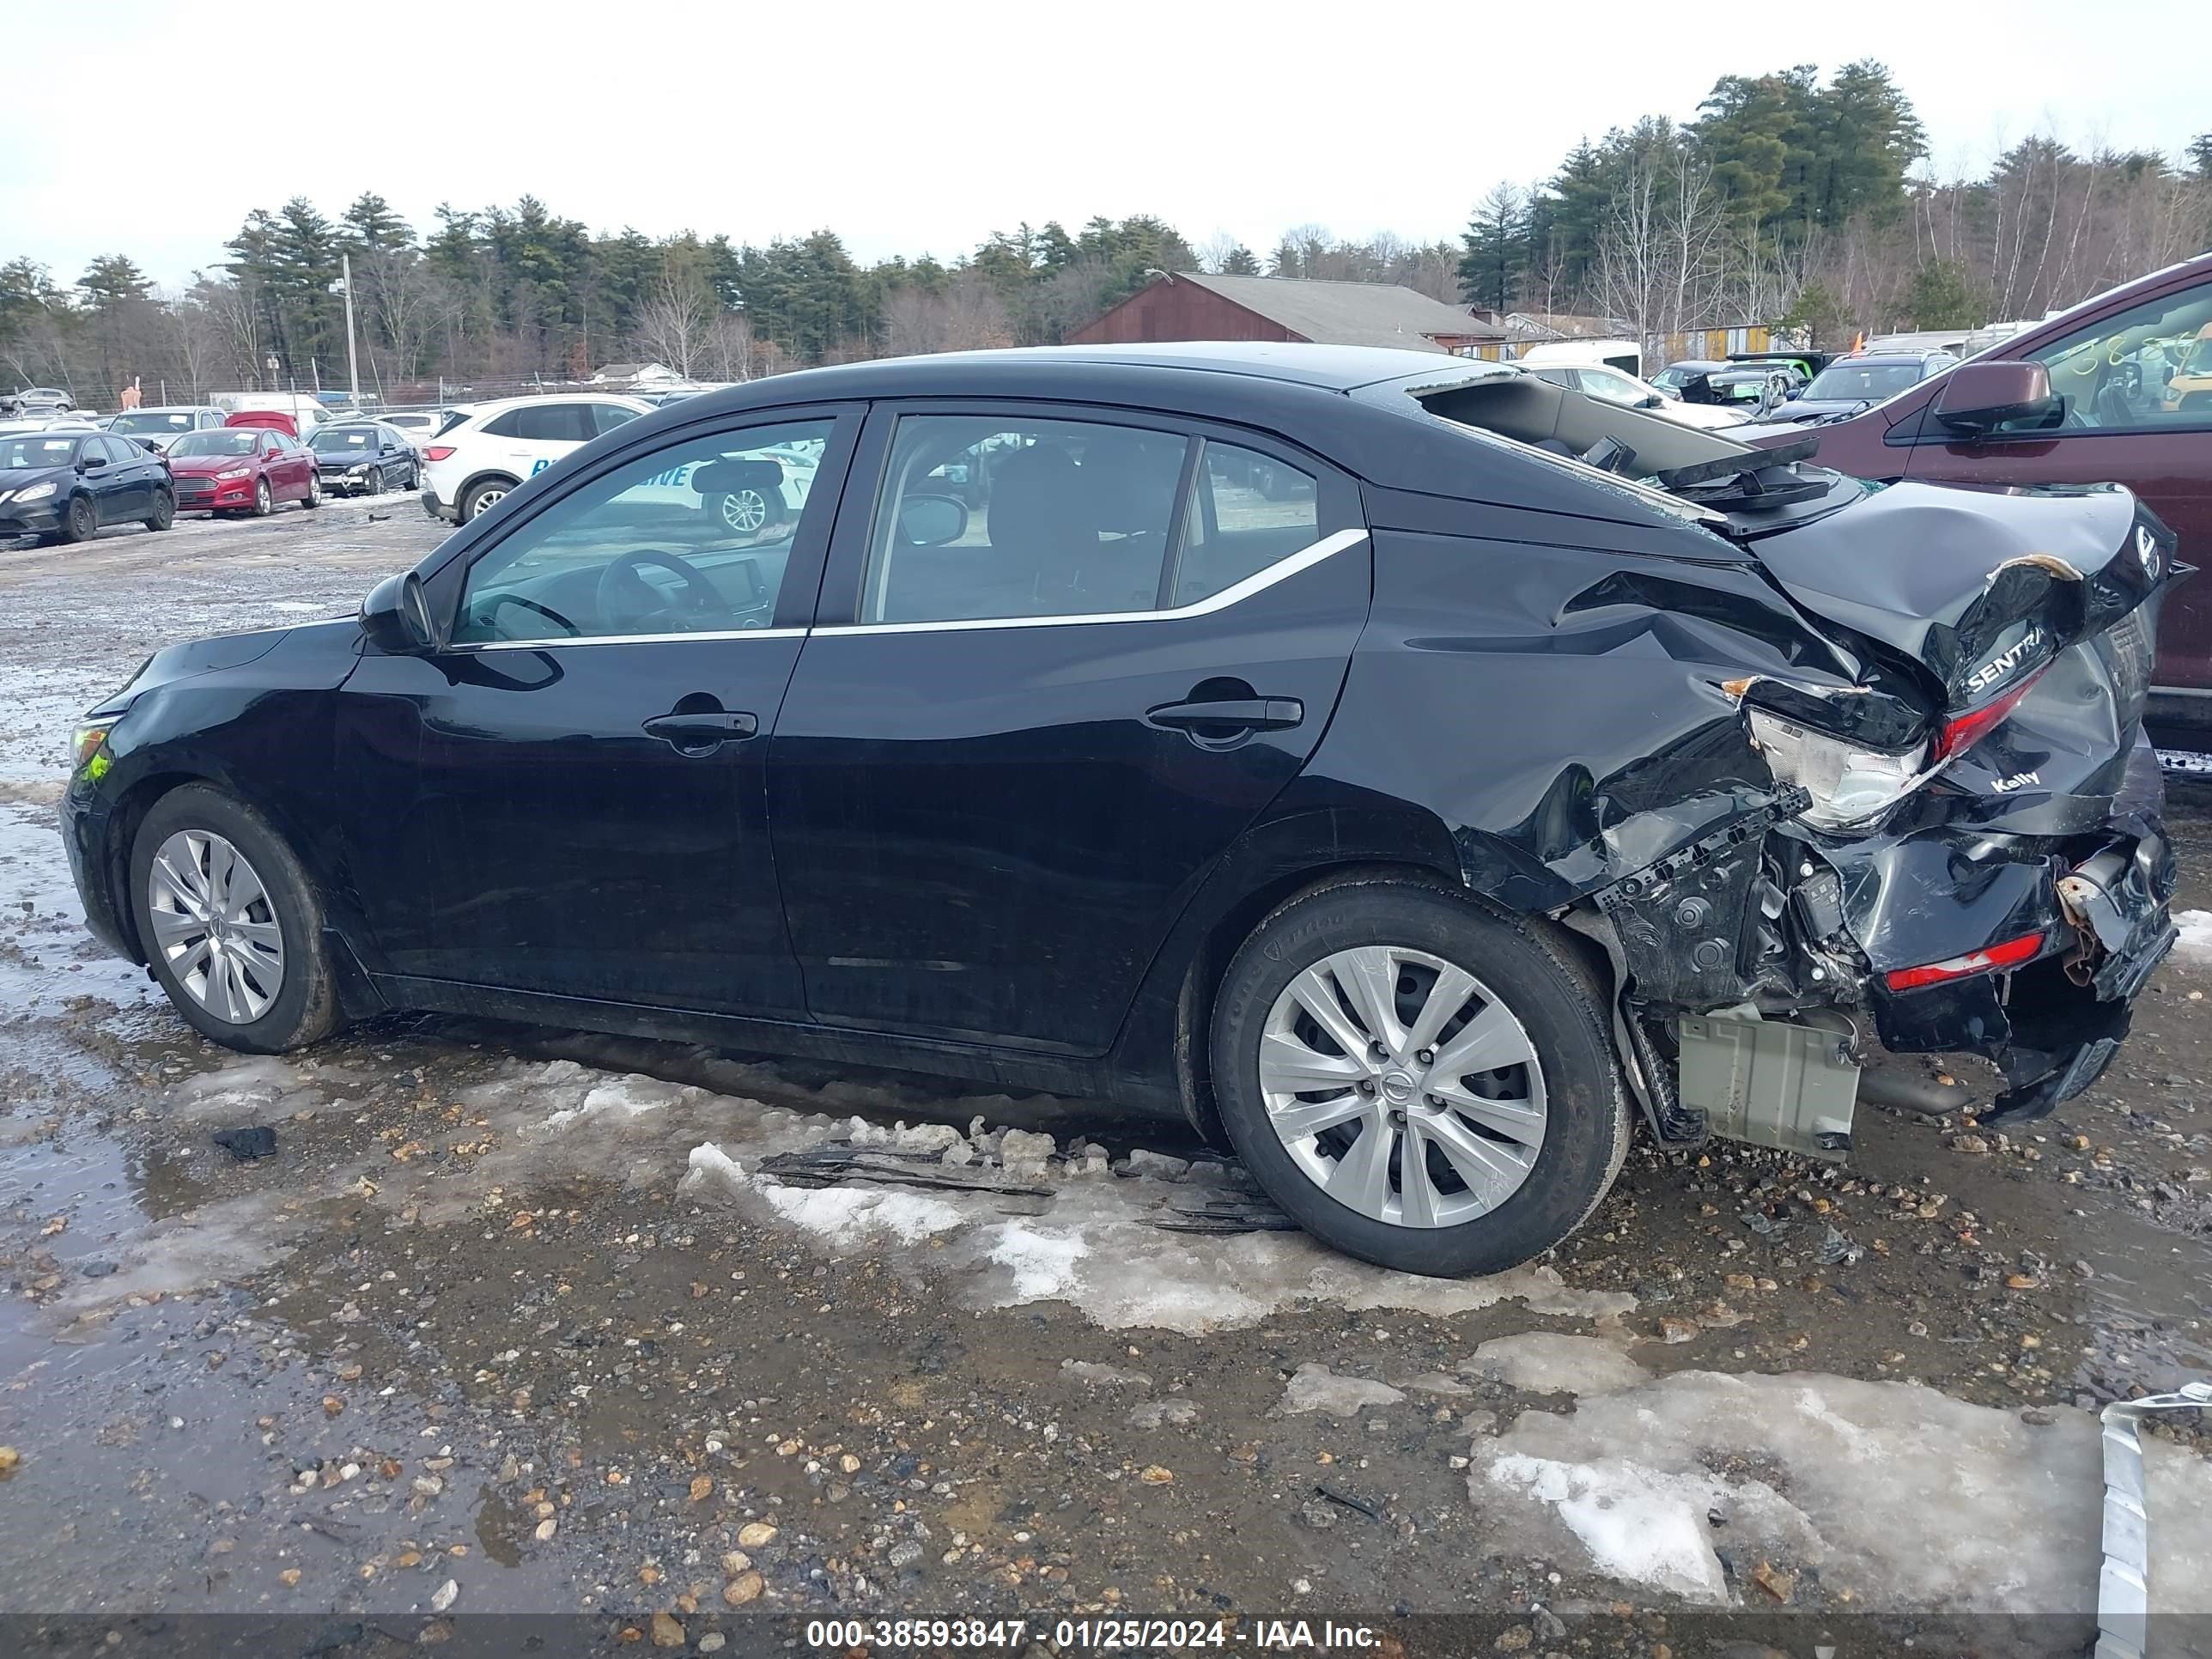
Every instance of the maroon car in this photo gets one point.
(236, 468)
(2120, 392)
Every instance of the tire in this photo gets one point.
(482, 496)
(80, 519)
(165, 510)
(314, 498)
(278, 1008)
(264, 499)
(1553, 1127)
(375, 482)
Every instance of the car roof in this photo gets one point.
(497, 404)
(1331, 368)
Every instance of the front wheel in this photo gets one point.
(164, 511)
(264, 501)
(375, 480)
(1416, 1081)
(231, 924)
(314, 490)
(80, 518)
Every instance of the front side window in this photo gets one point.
(2151, 366)
(610, 415)
(691, 537)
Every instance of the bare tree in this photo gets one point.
(673, 324)
(236, 308)
(1660, 255)
(194, 336)
(730, 347)
(968, 315)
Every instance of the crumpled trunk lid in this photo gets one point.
(1979, 585)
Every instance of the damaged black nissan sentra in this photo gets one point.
(1403, 767)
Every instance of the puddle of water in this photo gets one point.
(2152, 1302)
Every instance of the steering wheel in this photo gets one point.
(624, 599)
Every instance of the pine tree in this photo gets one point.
(112, 280)
(1495, 249)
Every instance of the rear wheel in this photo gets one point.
(231, 924)
(164, 511)
(80, 518)
(482, 497)
(1416, 1081)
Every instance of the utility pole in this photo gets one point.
(353, 363)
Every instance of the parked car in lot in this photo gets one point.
(1750, 389)
(157, 428)
(364, 458)
(33, 399)
(66, 486)
(1598, 380)
(234, 469)
(2113, 364)
(475, 461)
(1410, 832)
(420, 425)
(1851, 384)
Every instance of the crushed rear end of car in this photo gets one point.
(1929, 819)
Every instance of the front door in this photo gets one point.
(1030, 720)
(577, 783)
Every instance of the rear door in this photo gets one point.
(1025, 728)
(530, 439)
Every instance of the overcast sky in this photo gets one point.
(913, 129)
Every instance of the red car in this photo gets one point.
(2116, 390)
(243, 470)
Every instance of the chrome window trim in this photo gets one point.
(1282, 570)
(627, 639)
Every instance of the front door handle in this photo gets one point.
(703, 733)
(1230, 713)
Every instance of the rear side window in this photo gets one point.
(1251, 510)
(982, 519)
(545, 423)
(986, 519)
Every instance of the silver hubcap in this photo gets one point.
(215, 926)
(1402, 1087)
(486, 500)
(745, 510)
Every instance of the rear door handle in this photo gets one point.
(702, 733)
(1243, 713)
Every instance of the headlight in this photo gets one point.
(1849, 785)
(86, 745)
(235, 472)
(36, 492)
(350, 470)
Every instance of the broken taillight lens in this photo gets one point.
(1961, 734)
(2010, 954)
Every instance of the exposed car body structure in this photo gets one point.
(1731, 764)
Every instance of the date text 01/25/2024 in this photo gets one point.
(1098, 1634)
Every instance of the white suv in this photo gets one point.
(493, 446)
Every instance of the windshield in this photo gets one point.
(1863, 382)
(336, 439)
(152, 420)
(35, 451)
(233, 441)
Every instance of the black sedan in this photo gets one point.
(1532, 767)
(65, 486)
(363, 457)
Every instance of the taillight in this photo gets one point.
(1964, 732)
(2010, 954)
(437, 452)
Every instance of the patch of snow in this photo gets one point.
(624, 1096)
(1905, 1497)
(1550, 1362)
(1315, 1388)
(838, 1215)
(1637, 1525)
(1043, 1259)
(2195, 939)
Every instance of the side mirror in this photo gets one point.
(91, 463)
(1653, 401)
(396, 616)
(1793, 394)
(1977, 399)
(932, 520)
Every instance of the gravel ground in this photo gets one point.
(518, 1320)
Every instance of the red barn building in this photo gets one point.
(1195, 306)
